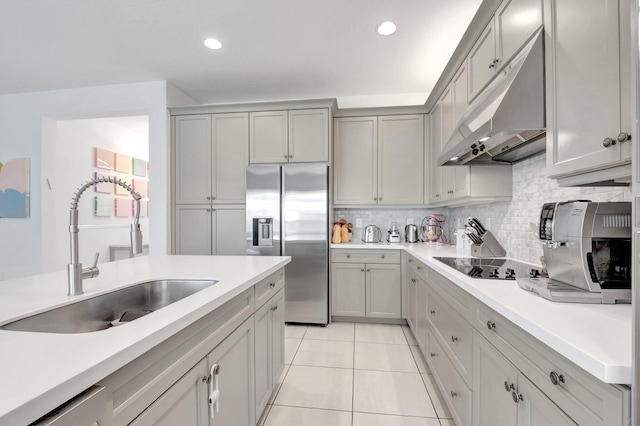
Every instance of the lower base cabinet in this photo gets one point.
(221, 370)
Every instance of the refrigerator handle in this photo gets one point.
(263, 231)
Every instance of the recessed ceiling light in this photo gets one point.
(387, 28)
(486, 138)
(212, 43)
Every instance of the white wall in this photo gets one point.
(28, 129)
(75, 144)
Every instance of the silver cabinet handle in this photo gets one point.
(208, 210)
(516, 397)
(432, 312)
(208, 198)
(491, 325)
(413, 280)
(607, 142)
(623, 137)
(348, 256)
(291, 156)
(437, 195)
(375, 198)
(272, 285)
(382, 256)
(491, 66)
(213, 198)
(454, 339)
(432, 354)
(419, 268)
(361, 270)
(380, 199)
(410, 260)
(556, 378)
(286, 156)
(508, 386)
(274, 308)
(454, 394)
(368, 270)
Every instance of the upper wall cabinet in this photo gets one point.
(295, 136)
(210, 158)
(379, 160)
(588, 89)
(512, 25)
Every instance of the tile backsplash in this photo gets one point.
(514, 223)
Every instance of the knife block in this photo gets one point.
(490, 247)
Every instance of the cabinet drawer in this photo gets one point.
(455, 392)
(418, 267)
(365, 256)
(587, 400)
(452, 294)
(266, 288)
(454, 331)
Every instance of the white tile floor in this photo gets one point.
(350, 374)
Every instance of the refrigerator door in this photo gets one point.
(305, 222)
(263, 210)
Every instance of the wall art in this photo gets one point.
(14, 188)
(104, 159)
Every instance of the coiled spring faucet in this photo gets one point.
(75, 269)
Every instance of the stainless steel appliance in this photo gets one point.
(587, 252)
(393, 234)
(411, 233)
(431, 229)
(288, 215)
(371, 234)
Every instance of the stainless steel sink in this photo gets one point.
(99, 312)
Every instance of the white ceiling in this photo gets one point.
(272, 49)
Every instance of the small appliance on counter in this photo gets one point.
(431, 229)
(484, 242)
(587, 252)
(393, 234)
(411, 233)
(371, 234)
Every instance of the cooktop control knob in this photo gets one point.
(510, 274)
(534, 273)
(494, 273)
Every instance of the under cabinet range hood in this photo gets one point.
(506, 122)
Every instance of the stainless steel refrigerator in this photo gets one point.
(288, 215)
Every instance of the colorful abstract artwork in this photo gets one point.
(102, 206)
(122, 207)
(14, 188)
(103, 187)
(123, 163)
(140, 186)
(104, 159)
(139, 167)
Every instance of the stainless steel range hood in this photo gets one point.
(506, 122)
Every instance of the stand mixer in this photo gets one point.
(431, 229)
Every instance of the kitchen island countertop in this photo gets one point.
(40, 371)
(595, 337)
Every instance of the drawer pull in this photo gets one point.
(432, 312)
(454, 394)
(491, 325)
(362, 270)
(516, 397)
(382, 256)
(274, 308)
(556, 378)
(432, 354)
(272, 285)
(348, 256)
(419, 268)
(413, 280)
(410, 260)
(368, 270)
(454, 339)
(508, 387)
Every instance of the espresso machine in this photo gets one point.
(587, 253)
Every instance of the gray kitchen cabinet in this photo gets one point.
(210, 158)
(379, 160)
(366, 283)
(183, 403)
(588, 89)
(511, 27)
(289, 136)
(448, 172)
(269, 349)
(422, 306)
(435, 193)
(205, 230)
(412, 299)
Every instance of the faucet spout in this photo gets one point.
(75, 270)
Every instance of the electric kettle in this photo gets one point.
(411, 233)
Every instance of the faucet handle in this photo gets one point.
(95, 259)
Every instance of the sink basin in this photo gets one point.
(99, 312)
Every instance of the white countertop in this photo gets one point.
(40, 371)
(597, 338)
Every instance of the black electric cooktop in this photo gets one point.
(490, 268)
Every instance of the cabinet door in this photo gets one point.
(192, 165)
(384, 298)
(481, 61)
(448, 172)
(355, 159)
(400, 155)
(184, 403)
(268, 140)
(262, 339)
(308, 135)
(493, 377)
(234, 358)
(435, 183)
(230, 233)
(584, 104)
(277, 336)
(421, 314)
(230, 157)
(348, 289)
(536, 409)
(412, 297)
(193, 229)
(516, 21)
